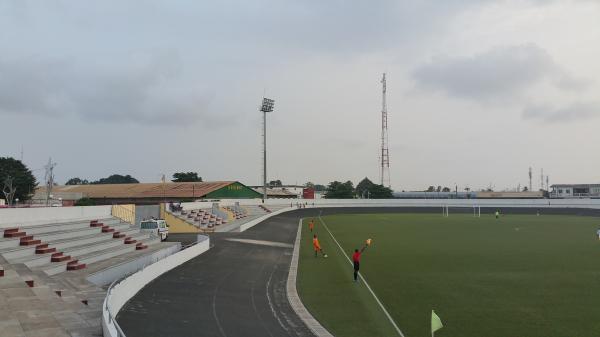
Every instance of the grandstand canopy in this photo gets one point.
(147, 193)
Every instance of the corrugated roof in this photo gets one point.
(575, 185)
(144, 190)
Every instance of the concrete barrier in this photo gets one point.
(119, 271)
(12, 217)
(256, 221)
(120, 292)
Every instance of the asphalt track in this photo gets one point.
(239, 289)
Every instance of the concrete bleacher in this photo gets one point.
(204, 219)
(44, 286)
(56, 248)
(229, 218)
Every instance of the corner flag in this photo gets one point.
(436, 322)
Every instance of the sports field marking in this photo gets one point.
(387, 314)
(292, 293)
(263, 243)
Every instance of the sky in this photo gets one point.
(478, 91)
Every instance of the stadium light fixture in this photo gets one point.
(267, 105)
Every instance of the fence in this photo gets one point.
(124, 212)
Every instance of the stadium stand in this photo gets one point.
(204, 219)
(46, 271)
(223, 219)
(60, 247)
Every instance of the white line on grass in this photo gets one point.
(363, 279)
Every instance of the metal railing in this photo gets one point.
(124, 212)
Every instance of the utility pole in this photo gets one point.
(384, 155)
(542, 180)
(49, 177)
(266, 106)
(530, 176)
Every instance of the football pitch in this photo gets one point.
(518, 276)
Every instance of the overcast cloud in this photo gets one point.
(119, 87)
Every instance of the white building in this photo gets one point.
(575, 191)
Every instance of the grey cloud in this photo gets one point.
(498, 73)
(568, 113)
(146, 90)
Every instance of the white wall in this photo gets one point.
(123, 291)
(538, 203)
(15, 217)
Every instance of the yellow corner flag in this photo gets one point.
(436, 322)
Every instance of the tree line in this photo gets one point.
(365, 189)
(178, 177)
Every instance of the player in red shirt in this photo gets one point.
(311, 225)
(356, 259)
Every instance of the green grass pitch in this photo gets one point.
(519, 276)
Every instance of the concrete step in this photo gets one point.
(60, 226)
(42, 232)
(87, 259)
(59, 257)
(17, 251)
(75, 265)
(75, 251)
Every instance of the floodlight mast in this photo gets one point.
(384, 155)
(266, 106)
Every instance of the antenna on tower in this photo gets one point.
(542, 180)
(547, 183)
(385, 154)
(49, 178)
(530, 176)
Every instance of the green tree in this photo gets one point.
(275, 183)
(364, 187)
(446, 189)
(320, 188)
(367, 189)
(181, 177)
(430, 189)
(77, 181)
(380, 192)
(22, 179)
(338, 190)
(85, 202)
(117, 179)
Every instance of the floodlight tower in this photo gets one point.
(266, 106)
(542, 180)
(385, 154)
(49, 177)
(530, 176)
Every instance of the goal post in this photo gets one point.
(474, 210)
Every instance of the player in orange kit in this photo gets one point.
(317, 246)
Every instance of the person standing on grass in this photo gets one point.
(598, 233)
(356, 259)
(497, 213)
(317, 246)
(311, 225)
